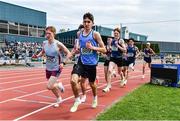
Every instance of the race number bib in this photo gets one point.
(130, 54)
(86, 51)
(50, 59)
(146, 55)
(114, 48)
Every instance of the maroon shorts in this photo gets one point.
(52, 73)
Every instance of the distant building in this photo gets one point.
(19, 23)
(68, 37)
(168, 47)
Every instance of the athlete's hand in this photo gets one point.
(69, 56)
(61, 66)
(89, 45)
(116, 42)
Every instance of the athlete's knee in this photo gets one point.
(74, 79)
(110, 71)
(49, 87)
(51, 83)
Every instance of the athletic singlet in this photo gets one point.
(131, 51)
(88, 56)
(52, 55)
(115, 51)
(146, 52)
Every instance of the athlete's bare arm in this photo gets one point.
(101, 47)
(65, 50)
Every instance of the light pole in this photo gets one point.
(121, 30)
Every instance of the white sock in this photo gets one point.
(77, 99)
(95, 97)
(109, 85)
(60, 84)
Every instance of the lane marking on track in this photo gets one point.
(2, 90)
(60, 78)
(21, 80)
(43, 108)
(27, 75)
(32, 101)
(43, 76)
(28, 95)
(39, 95)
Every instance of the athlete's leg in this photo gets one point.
(83, 89)
(109, 76)
(74, 84)
(112, 65)
(52, 85)
(144, 65)
(105, 72)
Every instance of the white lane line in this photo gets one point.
(39, 95)
(20, 91)
(20, 73)
(50, 105)
(21, 80)
(32, 101)
(25, 75)
(23, 96)
(2, 90)
(43, 108)
(28, 95)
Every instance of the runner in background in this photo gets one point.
(148, 52)
(117, 49)
(131, 55)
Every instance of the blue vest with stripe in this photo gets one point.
(115, 51)
(88, 56)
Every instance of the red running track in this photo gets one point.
(24, 95)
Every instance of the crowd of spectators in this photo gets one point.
(14, 52)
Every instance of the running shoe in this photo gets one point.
(123, 83)
(75, 106)
(107, 89)
(58, 101)
(83, 98)
(94, 103)
(61, 87)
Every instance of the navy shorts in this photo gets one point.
(147, 60)
(106, 63)
(118, 61)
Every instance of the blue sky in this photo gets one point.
(162, 16)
